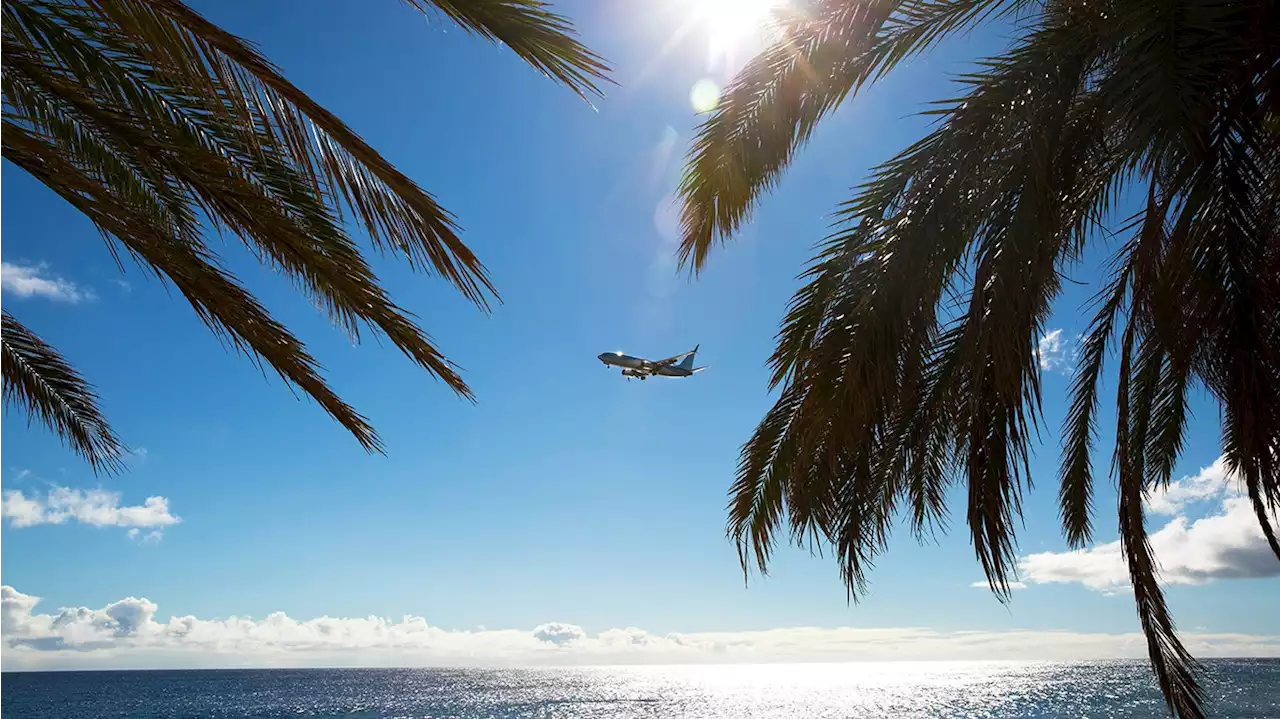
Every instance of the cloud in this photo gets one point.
(1225, 545)
(557, 633)
(151, 537)
(20, 511)
(1052, 351)
(1013, 586)
(130, 633)
(95, 507)
(1210, 482)
(27, 281)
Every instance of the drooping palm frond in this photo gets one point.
(158, 124)
(1174, 667)
(825, 51)
(40, 381)
(868, 324)
(539, 36)
(908, 360)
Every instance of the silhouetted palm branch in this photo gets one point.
(37, 379)
(158, 125)
(908, 357)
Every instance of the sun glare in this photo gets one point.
(731, 22)
(735, 30)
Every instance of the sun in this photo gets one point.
(731, 23)
(735, 30)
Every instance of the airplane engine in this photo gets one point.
(633, 373)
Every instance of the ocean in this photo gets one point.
(1240, 689)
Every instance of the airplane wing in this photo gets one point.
(668, 361)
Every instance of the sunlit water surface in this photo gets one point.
(1246, 689)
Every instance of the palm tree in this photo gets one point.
(158, 125)
(907, 359)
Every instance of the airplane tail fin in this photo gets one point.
(687, 362)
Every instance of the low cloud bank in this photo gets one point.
(129, 634)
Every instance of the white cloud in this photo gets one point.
(1052, 351)
(558, 633)
(20, 511)
(151, 537)
(28, 281)
(129, 633)
(1013, 586)
(1210, 482)
(1225, 545)
(95, 507)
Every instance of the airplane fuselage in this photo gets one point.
(638, 367)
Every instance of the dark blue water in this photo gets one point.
(1246, 689)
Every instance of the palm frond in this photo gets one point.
(907, 357)
(232, 312)
(879, 360)
(1174, 666)
(533, 31)
(1075, 494)
(40, 381)
(824, 53)
(144, 110)
(1237, 307)
(756, 499)
(171, 40)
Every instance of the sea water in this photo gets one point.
(1238, 689)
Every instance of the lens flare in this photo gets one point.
(704, 96)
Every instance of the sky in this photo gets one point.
(569, 516)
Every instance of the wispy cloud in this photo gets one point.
(34, 281)
(127, 634)
(95, 507)
(151, 537)
(1052, 351)
(1227, 544)
(1013, 586)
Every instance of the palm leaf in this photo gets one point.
(539, 36)
(1076, 474)
(160, 125)
(907, 357)
(233, 313)
(39, 380)
(824, 53)
(1174, 667)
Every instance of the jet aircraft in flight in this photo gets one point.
(679, 366)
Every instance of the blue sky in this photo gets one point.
(566, 494)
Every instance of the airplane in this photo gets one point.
(679, 366)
